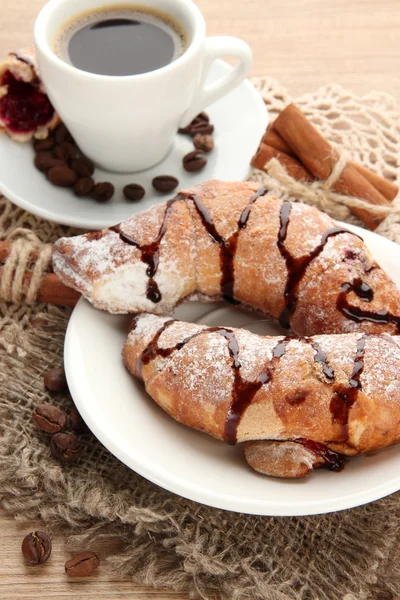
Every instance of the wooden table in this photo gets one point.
(304, 44)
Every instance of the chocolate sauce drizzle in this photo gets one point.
(357, 314)
(345, 397)
(150, 252)
(22, 58)
(228, 246)
(243, 391)
(321, 358)
(297, 267)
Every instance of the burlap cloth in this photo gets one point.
(167, 541)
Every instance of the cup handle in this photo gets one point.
(219, 47)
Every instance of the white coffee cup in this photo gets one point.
(129, 123)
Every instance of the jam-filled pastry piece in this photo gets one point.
(236, 242)
(25, 110)
(296, 404)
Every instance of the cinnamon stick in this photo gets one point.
(272, 138)
(292, 166)
(384, 186)
(320, 158)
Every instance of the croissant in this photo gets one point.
(25, 110)
(232, 241)
(295, 403)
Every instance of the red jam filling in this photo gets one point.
(24, 108)
(332, 460)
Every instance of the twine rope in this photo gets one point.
(336, 171)
(23, 244)
(319, 194)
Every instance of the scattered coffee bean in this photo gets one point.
(45, 160)
(46, 144)
(201, 118)
(103, 192)
(194, 161)
(76, 421)
(55, 380)
(36, 547)
(83, 186)
(82, 564)
(66, 151)
(165, 183)
(200, 124)
(62, 134)
(134, 192)
(65, 447)
(83, 166)
(205, 143)
(62, 176)
(49, 418)
(202, 127)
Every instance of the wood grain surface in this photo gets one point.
(304, 44)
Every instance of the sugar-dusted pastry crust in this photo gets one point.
(232, 241)
(25, 110)
(313, 399)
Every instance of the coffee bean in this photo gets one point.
(83, 186)
(46, 144)
(66, 151)
(134, 191)
(62, 176)
(200, 124)
(65, 447)
(201, 118)
(55, 380)
(103, 192)
(202, 127)
(45, 160)
(165, 183)
(82, 564)
(194, 161)
(76, 421)
(205, 143)
(36, 547)
(83, 166)
(49, 418)
(62, 134)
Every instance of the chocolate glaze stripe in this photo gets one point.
(228, 258)
(346, 396)
(23, 59)
(150, 253)
(360, 315)
(297, 267)
(242, 392)
(321, 358)
(228, 246)
(152, 349)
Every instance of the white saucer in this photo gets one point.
(239, 119)
(192, 464)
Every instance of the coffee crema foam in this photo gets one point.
(142, 14)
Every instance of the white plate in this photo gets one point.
(192, 464)
(239, 119)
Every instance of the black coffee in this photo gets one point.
(124, 41)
